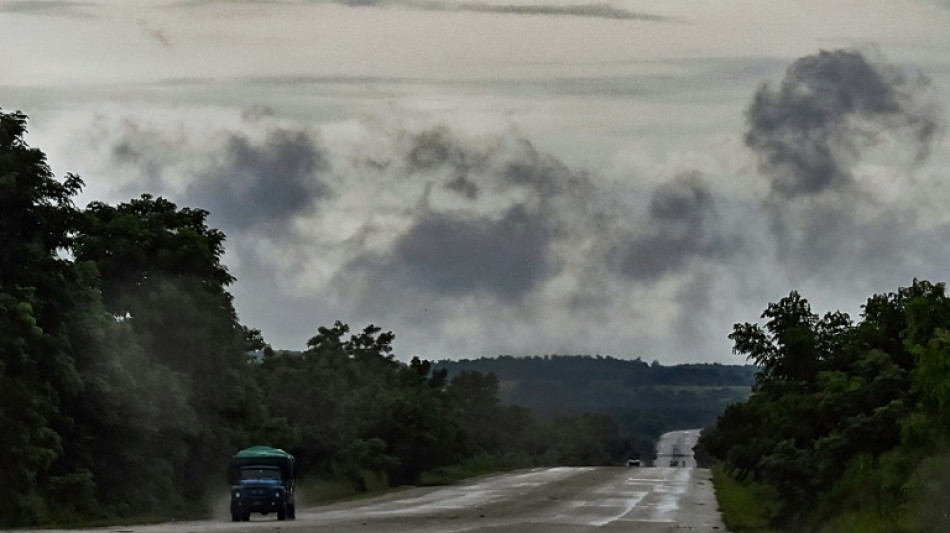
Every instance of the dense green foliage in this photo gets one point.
(373, 416)
(39, 296)
(847, 420)
(123, 369)
(643, 400)
(127, 380)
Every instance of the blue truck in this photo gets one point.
(262, 481)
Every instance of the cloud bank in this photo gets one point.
(474, 244)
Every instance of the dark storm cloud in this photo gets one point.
(600, 10)
(828, 107)
(244, 184)
(811, 133)
(547, 176)
(594, 10)
(499, 242)
(563, 218)
(505, 164)
(682, 225)
(453, 255)
(262, 185)
(201, 3)
(138, 146)
(437, 150)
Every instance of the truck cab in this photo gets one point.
(262, 481)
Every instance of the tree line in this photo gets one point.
(643, 400)
(847, 422)
(579, 370)
(126, 381)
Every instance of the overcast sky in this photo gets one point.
(524, 177)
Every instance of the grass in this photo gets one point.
(742, 512)
(741, 509)
(861, 521)
(321, 491)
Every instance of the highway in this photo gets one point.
(659, 499)
(676, 449)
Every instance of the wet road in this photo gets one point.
(604, 499)
(676, 448)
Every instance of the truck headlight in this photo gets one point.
(277, 494)
(237, 494)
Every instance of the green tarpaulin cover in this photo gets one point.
(261, 455)
(259, 452)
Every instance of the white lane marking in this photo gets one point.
(464, 496)
(618, 501)
(631, 503)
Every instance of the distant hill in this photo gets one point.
(644, 400)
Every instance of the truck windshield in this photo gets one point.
(260, 473)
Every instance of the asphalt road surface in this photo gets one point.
(676, 448)
(658, 499)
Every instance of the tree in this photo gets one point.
(161, 273)
(473, 398)
(842, 414)
(37, 300)
(787, 350)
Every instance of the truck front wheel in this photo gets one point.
(291, 511)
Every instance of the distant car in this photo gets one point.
(633, 462)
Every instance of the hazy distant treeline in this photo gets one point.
(126, 381)
(847, 428)
(643, 400)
